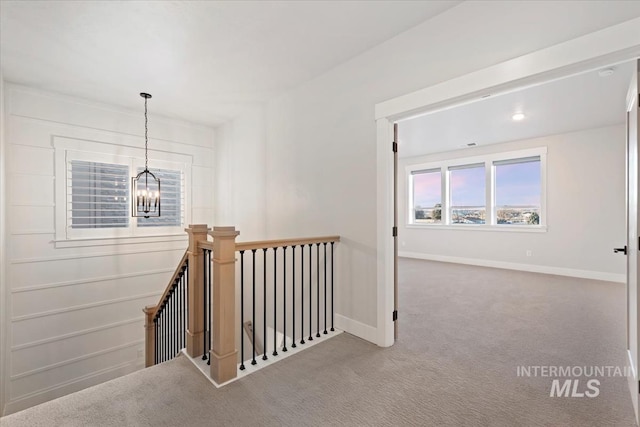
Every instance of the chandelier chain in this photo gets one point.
(146, 139)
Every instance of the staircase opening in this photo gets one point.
(236, 307)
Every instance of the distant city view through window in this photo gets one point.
(468, 197)
(427, 190)
(518, 188)
(517, 193)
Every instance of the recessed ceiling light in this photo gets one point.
(518, 116)
(605, 72)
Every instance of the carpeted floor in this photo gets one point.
(464, 331)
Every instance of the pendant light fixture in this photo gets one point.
(145, 187)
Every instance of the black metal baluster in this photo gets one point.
(209, 266)
(179, 312)
(325, 288)
(302, 294)
(173, 324)
(182, 309)
(264, 302)
(242, 311)
(204, 303)
(166, 331)
(176, 312)
(182, 325)
(161, 329)
(155, 341)
(253, 324)
(310, 294)
(186, 301)
(174, 332)
(176, 343)
(186, 304)
(160, 339)
(284, 298)
(318, 290)
(332, 286)
(275, 304)
(185, 290)
(293, 287)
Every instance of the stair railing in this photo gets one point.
(166, 323)
(179, 319)
(203, 288)
(305, 267)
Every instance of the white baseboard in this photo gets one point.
(584, 274)
(356, 328)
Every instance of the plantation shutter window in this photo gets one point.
(97, 195)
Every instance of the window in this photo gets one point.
(97, 195)
(427, 196)
(468, 196)
(92, 190)
(517, 191)
(498, 191)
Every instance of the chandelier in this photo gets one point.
(145, 187)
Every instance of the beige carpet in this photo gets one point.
(464, 331)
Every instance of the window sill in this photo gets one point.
(472, 227)
(113, 241)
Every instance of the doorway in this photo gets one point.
(502, 78)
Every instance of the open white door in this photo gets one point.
(633, 243)
(395, 231)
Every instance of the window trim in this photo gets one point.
(66, 148)
(488, 160)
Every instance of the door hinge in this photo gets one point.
(394, 147)
(395, 315)
(394, 231)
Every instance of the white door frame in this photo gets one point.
(605, 47)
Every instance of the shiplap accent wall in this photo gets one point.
(3, 283)
(76, 312)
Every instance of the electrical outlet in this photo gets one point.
(529, 253)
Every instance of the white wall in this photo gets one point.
(76, 313)
(321, 136)
(3, 286)
(240, 175)
(585, 211)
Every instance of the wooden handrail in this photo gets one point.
(263, 244)
(205, 245)
(152, 312)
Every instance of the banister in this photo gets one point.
(150, 310)
(265, 244)
(205, 245)
(207, 325)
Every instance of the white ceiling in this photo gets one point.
(574, 103)
(204, 61)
